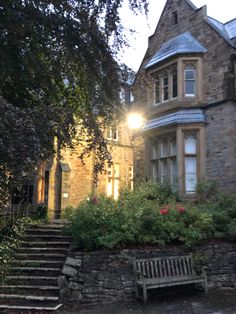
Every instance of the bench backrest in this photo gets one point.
(161, 267)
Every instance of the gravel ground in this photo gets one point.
(189, 301)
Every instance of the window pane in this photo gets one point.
(164, 171)
(156, 91)
(165, 88)
(190, 183)
(116, 170)
(154, 170)
(190, 174)
(174, 174)
(173, 147)
(154, 152)
(190, 143)
(189, 87)
(164, 149)
(116, 189)
(174, 85)
(189, 74)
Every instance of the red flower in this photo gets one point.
(94, 200)
(180, 209)
(164, 211)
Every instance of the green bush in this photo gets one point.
(11, 241)
(150, 214)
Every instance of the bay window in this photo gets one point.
(174, 166)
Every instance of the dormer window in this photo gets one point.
(189, 80)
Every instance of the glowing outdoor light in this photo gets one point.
(135, 121)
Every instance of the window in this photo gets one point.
(174, 18)
(164, 156)
(190, 161)
(157, 91)
(164, 160)
(131, 177)
(166, 85)
(112, 132)
(113, 181)
(189, 80)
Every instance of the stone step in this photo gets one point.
(45, 244)
(31, 280)
(48, 231)
(38, 263)
(38, 271)
(30, 290)
(40, 256)
(30, 301)
(28, 297)
(47, 237)
(48, 226)
(43, 250)
(29, 308)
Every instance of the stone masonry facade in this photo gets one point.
(215, 94)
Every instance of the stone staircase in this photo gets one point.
(32, 282)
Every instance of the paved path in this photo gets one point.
(218, 302)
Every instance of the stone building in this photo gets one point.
(186, 87)
(68, 181)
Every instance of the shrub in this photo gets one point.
(11, 241)
(138, 217)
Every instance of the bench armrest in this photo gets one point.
(139, 274)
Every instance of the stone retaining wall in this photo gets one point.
(106, 276)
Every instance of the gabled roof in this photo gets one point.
(227, 30)
(183, 43)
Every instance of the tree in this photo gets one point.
(58, 74)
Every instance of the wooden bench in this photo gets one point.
(151, 273)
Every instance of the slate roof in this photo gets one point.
(182, 116)
(227, 30)
(183, 43)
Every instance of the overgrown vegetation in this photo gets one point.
(10, 238)
(152, 214)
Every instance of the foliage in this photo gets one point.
(138, 217)
(10, 242)
(55, 60)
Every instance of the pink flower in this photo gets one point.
(180, 209)
(164, 211)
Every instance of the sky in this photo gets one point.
(144, 26)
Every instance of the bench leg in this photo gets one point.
(136, 291)
(144, 294)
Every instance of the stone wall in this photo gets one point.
(221, 145)
(106, 276)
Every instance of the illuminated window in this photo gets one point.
(131, 177)
(113, 181)
(112, 132)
